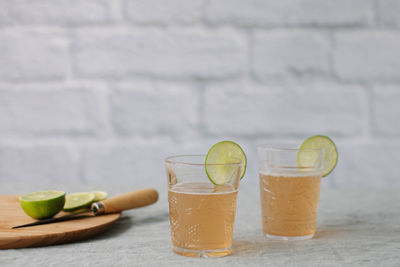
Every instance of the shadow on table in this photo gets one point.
(259, 245)
(245, 247)
(328, 233)
(151, 219)
(127, 221)
(119, 227)
(339, 227)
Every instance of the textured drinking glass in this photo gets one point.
(201, 213)
(289, 191)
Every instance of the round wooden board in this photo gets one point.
(11, 214)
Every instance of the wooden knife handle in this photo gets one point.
(131, 200)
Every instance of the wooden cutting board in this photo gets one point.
(11, 214)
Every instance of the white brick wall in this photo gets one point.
(101, 91)
(388, 12)
(158, 109)
(281, 52)
(44, 12)
(156, 52)
(290, 12)
(39, 163)
(55, 111)
(385, 105)
(281, 111)
(368, 163)
(140, 163)
(367, 55)
(161, 12)
(32, 54)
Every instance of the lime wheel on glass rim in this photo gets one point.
(221, 160)
(330, 157)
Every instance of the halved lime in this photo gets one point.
(42, 204)
(224, 152)
(99, 195)
(330, 153)
(77, 201)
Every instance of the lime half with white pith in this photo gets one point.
(319, 142)
(99, 195)
(221, 162)
(77, 201)
(42, 204)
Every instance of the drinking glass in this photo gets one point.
(201, 213)
(290, 181)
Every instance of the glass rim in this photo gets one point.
(293, 167)
(171, 160)
(285, 147)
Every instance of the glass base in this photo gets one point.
(202, 253)
(289, 238)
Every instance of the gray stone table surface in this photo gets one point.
(355, 228)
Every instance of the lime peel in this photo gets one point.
(42, 204)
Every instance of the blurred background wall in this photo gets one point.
(100, 91)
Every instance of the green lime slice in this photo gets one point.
(222, 153)
(42, 204)
(77, 201)
(99, 195)
(317, 142)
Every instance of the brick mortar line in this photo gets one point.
(128, 26)
(286, 79)
(71, 143)
(100, 84)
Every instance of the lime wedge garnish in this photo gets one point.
(317, 142)
(223, 153)
(77, 201)
(42, 204)
(99, 195)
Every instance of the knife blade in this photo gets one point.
(131, 200)
(57, 219)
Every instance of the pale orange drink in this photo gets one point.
(289, 191)
(289, 204)
(202, 204)
(202, 216)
